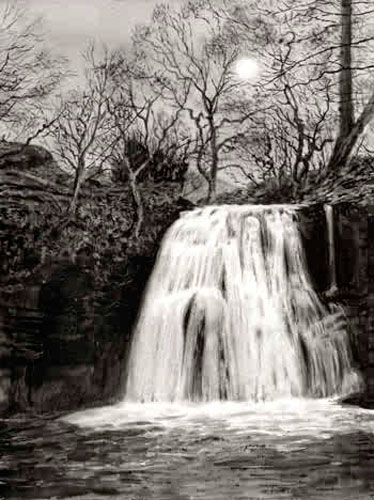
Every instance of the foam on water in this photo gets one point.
(285, 424)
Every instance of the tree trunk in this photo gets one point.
(138, 203)
(345, 77)
(341, 154)
(77, 186)
(212, 195)
(212, 191)
(133, 180)
(346, 112)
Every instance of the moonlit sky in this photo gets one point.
(71, 24)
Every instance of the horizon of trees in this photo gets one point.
(175, 99)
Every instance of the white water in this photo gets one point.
(230, 313)
(285, 424)
(329, 212)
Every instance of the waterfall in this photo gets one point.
(230, 313)
(329, 214)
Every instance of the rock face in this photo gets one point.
(313, 230)
(61, 374)
(58, 352)
(26, 157)
(66, 318)
(113, 329)
(355, 265)
(63, 341)
(30, 158)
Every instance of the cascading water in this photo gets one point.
(329, 212)
(230, 313)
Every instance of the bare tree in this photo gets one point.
(144, 138)
(287, 147)
(28, 73)
(80, 133)
(190, 62)
(316, 74)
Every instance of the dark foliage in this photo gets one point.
(161, 166)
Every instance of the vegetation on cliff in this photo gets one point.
(35, 233)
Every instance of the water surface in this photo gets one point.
(291, 449)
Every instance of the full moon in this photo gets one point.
(247, 68)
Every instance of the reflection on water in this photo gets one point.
(291, 449)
